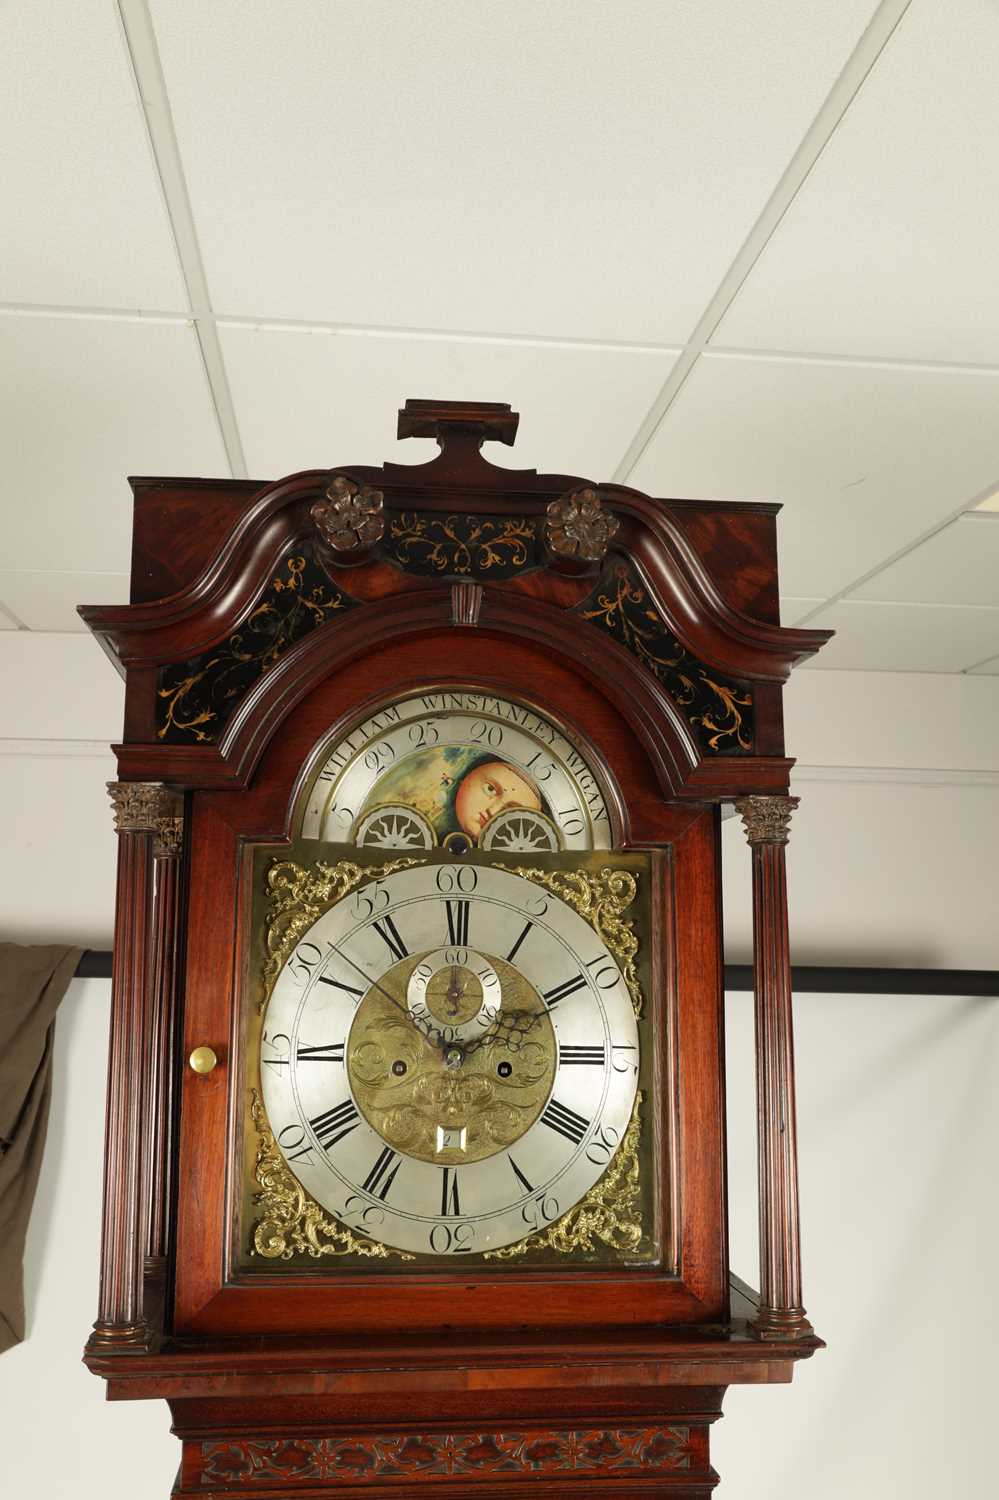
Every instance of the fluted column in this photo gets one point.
(158, 1130)
(120, 1322)
(782, 1315)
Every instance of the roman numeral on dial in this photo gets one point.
(527, 1186)
(333, 1124)
(382, 1174)
(513, 951)
(457, 923)
(324, 1052)
(591, 1056)
(565, 1121)
(339, 985)
(563, 990)
(389, 933)
(449, 1192)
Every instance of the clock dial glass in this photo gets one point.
(459, 769)
(450, 1056)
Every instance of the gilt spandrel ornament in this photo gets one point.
(291, 1223)
(299, 895)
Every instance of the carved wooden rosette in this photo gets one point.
(782, 1314)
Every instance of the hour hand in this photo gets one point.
(507, 1030)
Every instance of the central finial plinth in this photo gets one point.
(486, 421)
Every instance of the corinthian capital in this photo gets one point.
(143, 807)
(766, 819)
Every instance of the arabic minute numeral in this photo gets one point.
(565, 1121)
(606, 976)
(457, 1241)
(295, 1144)
(333, 1124)
(603, 1145)
(280, 1042)
(303, 961)
(463, 879)
(541, 1210)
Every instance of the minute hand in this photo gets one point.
(388, 996)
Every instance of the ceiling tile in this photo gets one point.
(905, 637)
(84, 402)
(58, 687)
(959, 565)
(889, 248)
(793, 610)
(864, 458)
(988, 668)
(546, 168)
(45, 600)
(318, 399)
(90, 228)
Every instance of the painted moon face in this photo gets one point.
(451, 764)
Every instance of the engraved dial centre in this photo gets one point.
(403, 1078)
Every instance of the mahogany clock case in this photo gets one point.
(216, 1292)
(255, 633)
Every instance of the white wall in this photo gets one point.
(891, 862)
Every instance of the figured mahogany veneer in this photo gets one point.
(500, 1384)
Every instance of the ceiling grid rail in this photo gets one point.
(842, 94)
(140, 41)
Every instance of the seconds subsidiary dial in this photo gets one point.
(449, 1058)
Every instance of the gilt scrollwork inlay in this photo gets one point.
(196, 697)
(467, 545)
(720, 712)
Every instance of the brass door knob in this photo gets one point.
(203, 1060)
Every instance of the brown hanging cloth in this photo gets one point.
(32, 983)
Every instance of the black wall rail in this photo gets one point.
(807, 979)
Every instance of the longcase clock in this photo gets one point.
(415, 1167)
